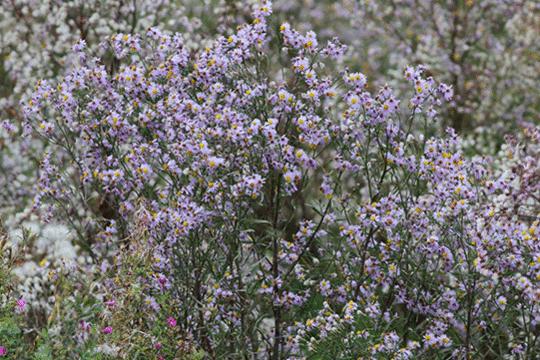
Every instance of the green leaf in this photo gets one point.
(9, 329)
(43, 351)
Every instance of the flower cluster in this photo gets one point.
(229, 208)
(490, 65)
(43, 40)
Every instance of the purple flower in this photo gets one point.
(171, 321)
(21, 303)
(79, 45)
(8, 127)
(446, 91)
(3, 350)
(152, 303)
(110, 303)
(158, 346)
(107, 330)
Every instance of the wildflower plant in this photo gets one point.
(259, 212)
(41, 313)
(10, 332)
(484, 50)
(37, 43)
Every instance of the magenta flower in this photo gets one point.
(158, 346)
(171, 321)
(21, 303)
(110, 303)
(3, 350)
(107, 330)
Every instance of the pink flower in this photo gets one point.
(107, 330)
(171, 321)
(3, 350)
(158, 346)
(110, 303)
(21, 303)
